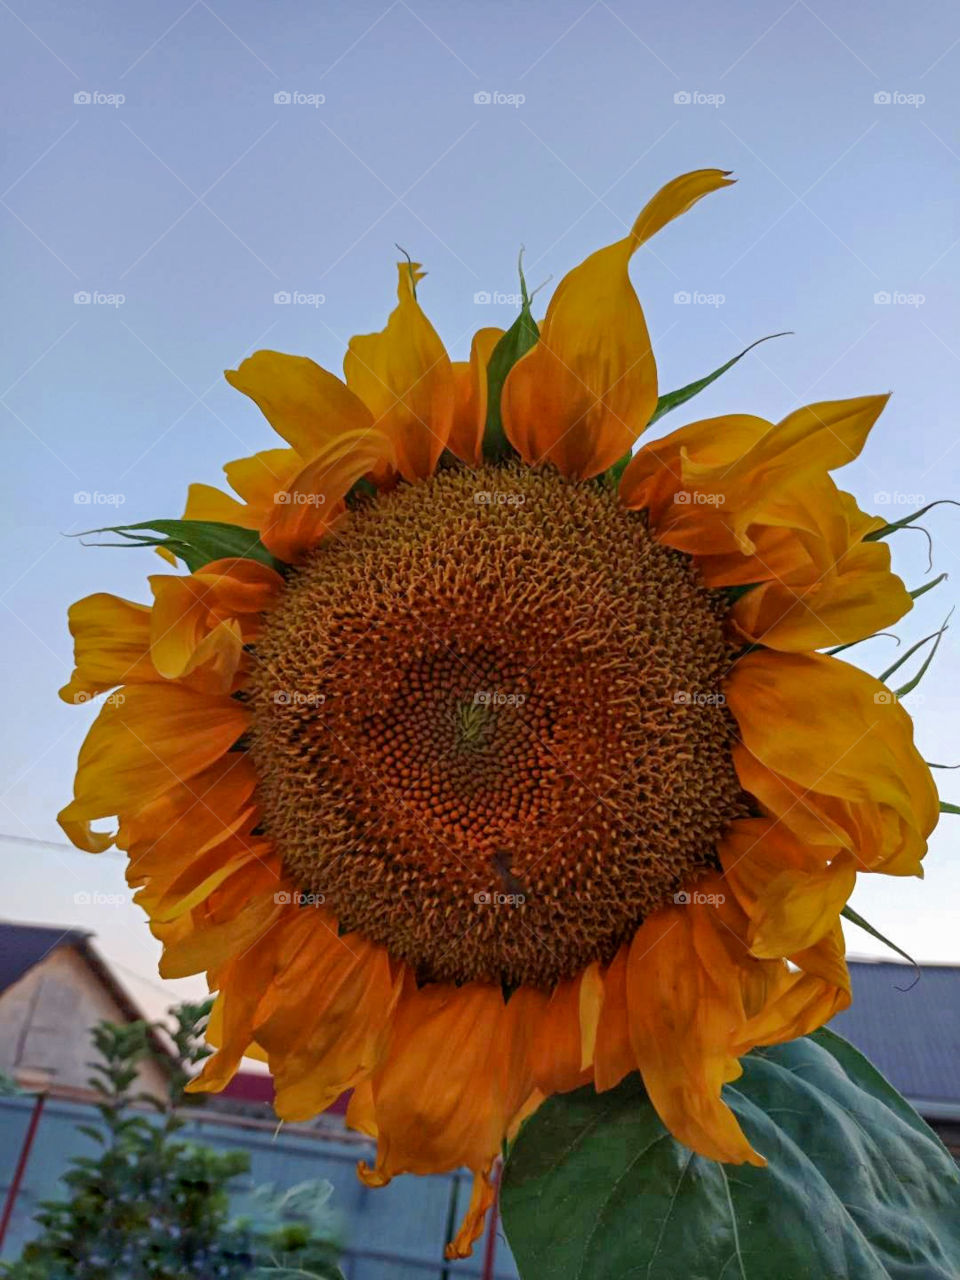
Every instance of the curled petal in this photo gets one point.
(304, 404)
(314, 501)
(111, 641)
(403, 375)
(581, 396)
(846, 764)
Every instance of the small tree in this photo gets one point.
(151, 1206)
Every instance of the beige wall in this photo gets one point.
(46, 1018)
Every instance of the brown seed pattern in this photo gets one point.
(490, 729)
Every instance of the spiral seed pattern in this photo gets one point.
(489, 725)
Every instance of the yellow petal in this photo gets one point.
(404, 376)
(314, 501)
(456, 1075)
(304, 404)
(147, 741)
(470, 398)
(581, 396)
(482, 1195)
(204, 502)
(848, 600)
(685, 1000)
(842, 747)
(111, 640)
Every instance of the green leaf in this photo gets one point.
(517, 341)
(195, 542)
(857, 1185)
(854, 917)
(673, 400)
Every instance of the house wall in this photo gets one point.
(46, 1017)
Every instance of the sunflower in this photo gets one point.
(496, 766)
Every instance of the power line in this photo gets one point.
(55, 844)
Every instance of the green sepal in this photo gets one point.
(856, 1185)
(195, 542)
(673, 400)
(936, 637)
(907, 520)
(854, 917)
(917, 592)
(516, 342)
(947, 807)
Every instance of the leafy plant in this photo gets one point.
(153, 1206)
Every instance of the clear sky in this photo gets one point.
(198, 197)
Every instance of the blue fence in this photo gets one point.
(395, 1233)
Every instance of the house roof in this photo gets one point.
(907, 1022)
(22, 946)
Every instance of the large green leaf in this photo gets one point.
(195, 542)
(857, 1186)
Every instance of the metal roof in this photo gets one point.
(907, 1022)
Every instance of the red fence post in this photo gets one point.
(14, 1190)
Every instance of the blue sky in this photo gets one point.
(198, 197)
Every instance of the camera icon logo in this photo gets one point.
(282, 298)
(882, 299)
(882, 99)
(481, 298)
(682, 298)
(82, 298)
(82, 98)
(282, 99)
(482, 99)
(682, 899)
(682, 497)
(884, 698)
(682, 99)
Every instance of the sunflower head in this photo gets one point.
(475, 759)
